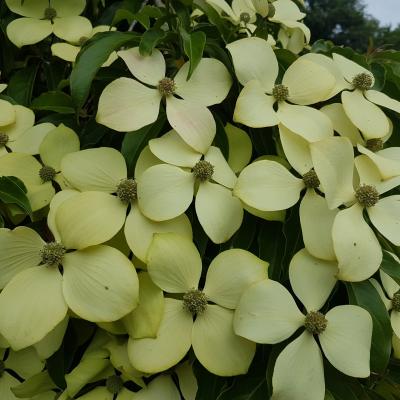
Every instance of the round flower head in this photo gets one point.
(128, 105)
(198, 317)
(267, 313)
(305, 82)
(69, 52)
(44, 17)
(101, 174)
(242, 13)
(360, 101)
(105, 290)
(165, 191)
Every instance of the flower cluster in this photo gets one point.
(139, 264)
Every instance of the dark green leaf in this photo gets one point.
(244, 237)
(210, 385)
(365, 295)
(21, 84)
(150, 39)
(391, 266)
(135, 142)
(379, 73)
(193, 44)
(13, 191)
(221, 139)
(95, 52)
(58, 102)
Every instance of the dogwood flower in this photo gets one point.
(128, 105)
(241, 13)
(165, 191)
(267, 313)
(99, 174)
(304, 82)
(106, 288)
(361, 103)
(174, 264)
(354, 242)
(69, 52)
(44, 17)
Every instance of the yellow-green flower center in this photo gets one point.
(50, 13)
(315, 322)
(195, 301)
(367, 195)
(166, 86)
(3, 139)
(280, 92)
(47, 173)
(203, 170)
(362, 81)
(245, 17)
(52, 253)
(2, 368)
(374, 144)
(396, 301)
(114, 384)
(127, 190)
(311, 180)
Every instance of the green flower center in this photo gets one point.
(52, 253)
(166, 86)
(396, 301)
(83, 40)
(50, 13)
(114, 384)
(2, 368)
(367, 195)
(315, 322)
(3, 139)
(203, 170)
(47, 173)
(127, 190)
(245, 17)
(195, 301)
(280, 92)
(362, 81)
(374, 144)
(311, 180)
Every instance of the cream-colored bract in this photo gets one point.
(128, 105)
(174, 264)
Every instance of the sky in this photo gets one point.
(386, 11)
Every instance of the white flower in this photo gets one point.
(128, 105)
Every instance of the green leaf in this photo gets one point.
(343, 387)
(193, 45)
(150, 39)
(391, 266)
(210, 386)
(92, 56)
(58, 102)
(365, 295)
(135, 142)
(21, 84)
(221, 138)
(13, 191)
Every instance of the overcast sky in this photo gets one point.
(386, 11)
